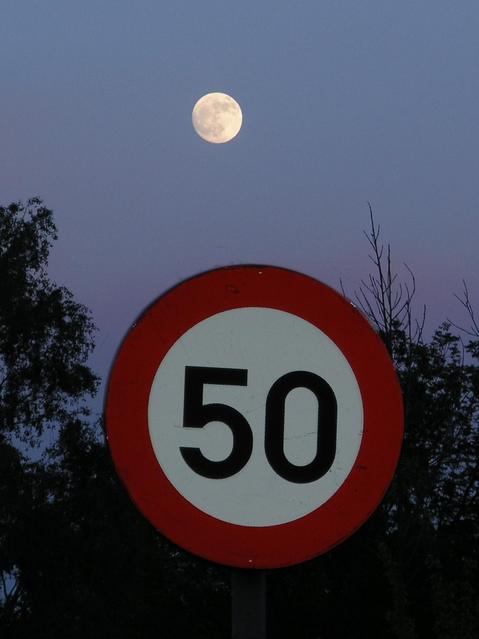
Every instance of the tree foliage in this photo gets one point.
(411, 571)
(45, 336)
(78, 560)
(45, 340)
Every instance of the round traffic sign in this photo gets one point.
(254, 416)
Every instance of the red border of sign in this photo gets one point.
(138, 359)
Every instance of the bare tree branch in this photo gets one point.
(465, 301)
(385, 300)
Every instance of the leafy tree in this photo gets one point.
(45, 340)
(45, 336)
(76, 558)
(411, 571)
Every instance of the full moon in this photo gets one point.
(217, 118)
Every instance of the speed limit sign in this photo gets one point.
(254, 416)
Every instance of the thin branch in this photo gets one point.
(465, 301)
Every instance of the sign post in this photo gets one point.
(248, 604)
(254, 416)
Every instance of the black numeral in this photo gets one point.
(325, 430)
(197, 415)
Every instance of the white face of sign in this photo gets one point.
(265, 345)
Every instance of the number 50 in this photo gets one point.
(196, 414)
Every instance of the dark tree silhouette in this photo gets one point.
(45, 336)
(410, 571)
(45, 339)
(76, 558)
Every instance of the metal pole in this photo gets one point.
(248, 604)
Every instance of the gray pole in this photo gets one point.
(248, 604)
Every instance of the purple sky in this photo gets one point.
(343, 102)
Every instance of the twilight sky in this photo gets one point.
(343, 102)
